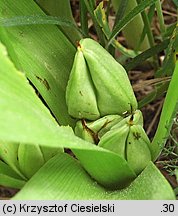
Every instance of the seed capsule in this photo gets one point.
(129, 140)
(138, 149)
(113, 89)
(98, 85)
(80, 94)
(93, 131)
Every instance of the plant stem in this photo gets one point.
(169, 111)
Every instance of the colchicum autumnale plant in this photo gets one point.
(90, 109)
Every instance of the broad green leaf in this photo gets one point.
(45, 55)
(129, 17)
(136, 40)
(63, 178)
(8, 153)
(83, 18)
(90, 7)
(120, 6)
(168, 113)
(61, 9)
(166, 70)
(37, 20)
(108, 168)
(9, 178)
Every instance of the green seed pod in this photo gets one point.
(93, 131)
(113, 89)
(129, 140)
(80, 94)
(30, 159)
(138, 149)
(115, 140)
(26, 159)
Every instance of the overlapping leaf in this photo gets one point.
(63, 178)
(169, 111)
(45, 55)
(9, 178)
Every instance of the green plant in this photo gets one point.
(36, 128)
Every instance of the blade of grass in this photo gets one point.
(129, 17)
(176, 3)
(135, 26)
(170, 108)
(97, 27)
(92, 4)
(169, 30)
(166, 70)
(147, 54)
(159, 91)
(108, 9)
(160, 18)
(83, 18)
(26, 120)
(120, 12)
